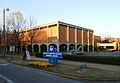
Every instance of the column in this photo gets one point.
(39, 48)
(39, 40)
(68, 35)
(58, 48)
(76, 35)
(68, 47)
(47, 47)
(47, 38)
(88, 40)
(58, 37)
(39, 35)
(32, 48)
(47, 34)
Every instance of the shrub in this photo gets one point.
(41, 64)
(39, 55)
(94, 59)
(112, 60)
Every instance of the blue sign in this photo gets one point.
(52, 49)
(52, 55)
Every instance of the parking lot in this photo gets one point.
(115, 53)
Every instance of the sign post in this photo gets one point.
(52, 55)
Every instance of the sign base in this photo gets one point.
(53, 60)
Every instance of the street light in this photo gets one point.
(0, 41)
(3, 26)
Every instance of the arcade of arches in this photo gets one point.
(62, 47)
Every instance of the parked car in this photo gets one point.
(67, 52)
(80, 52)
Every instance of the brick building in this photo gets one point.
(62, 35)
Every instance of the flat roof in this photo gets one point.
(56, 22)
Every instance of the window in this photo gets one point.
(110, 47)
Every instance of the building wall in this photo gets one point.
(85, 37)
(23, 37)
(97, 39)
(79, 36)
(43, 34)
(28, 36)
(60, 33)
(63, 33)
(72, 35)
(52, 33)
(36, 34)
(90, 38)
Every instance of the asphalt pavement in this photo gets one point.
(11, 73)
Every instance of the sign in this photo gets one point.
(52, 55)
(55, 55)
(28, 55)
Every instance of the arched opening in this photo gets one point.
(12, 48)
(101, 48)
(36, 48)
(55, 46)
(17, 48)
(71, 47)
(7, 49)
(79, 47)
(43, 48)
(85, 48)
(29, 48)
(23, 48)
(90, 48)
(63, 47)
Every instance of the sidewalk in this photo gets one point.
(90, 65)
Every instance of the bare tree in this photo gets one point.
(16, 23)
(8, 32)
(30, 31)
(108, 39)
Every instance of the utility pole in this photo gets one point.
(3, 27)
(4, 31)
(0, 41)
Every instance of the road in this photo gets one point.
(11, 73)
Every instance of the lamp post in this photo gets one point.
(4, 31)
(0, 41)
